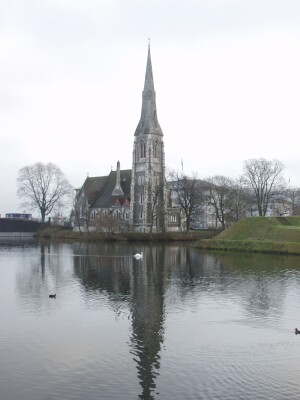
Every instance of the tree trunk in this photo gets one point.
(43, 215)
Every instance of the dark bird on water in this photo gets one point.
(52, 296)
(297, 331)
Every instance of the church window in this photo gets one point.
(155, 149)
(139, 180)
(142, 198)
(143, 149)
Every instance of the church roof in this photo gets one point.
(93, 186)
(105, 197)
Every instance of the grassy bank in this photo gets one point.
(67, 234)
(258, 234)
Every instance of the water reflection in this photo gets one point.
(172, 275)
(139, 283)
(43, 272)
(168, 280)
(259, 280)
(148, 314)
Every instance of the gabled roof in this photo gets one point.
(104, 198)
(93, 186)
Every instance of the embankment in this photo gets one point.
(258, 234)
(57, 233)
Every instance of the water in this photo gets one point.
(180, 324)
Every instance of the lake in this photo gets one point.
(178, 324)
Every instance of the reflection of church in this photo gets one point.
(137, 199)
(141, 289)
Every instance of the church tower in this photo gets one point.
(148, 185)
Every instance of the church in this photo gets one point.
(137, 200)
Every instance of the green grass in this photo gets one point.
(259, 234)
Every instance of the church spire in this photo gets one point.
(148, 123)
(148, 184)
(149, 84)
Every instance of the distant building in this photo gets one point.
(18, 216)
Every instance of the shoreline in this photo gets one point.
(68, 234)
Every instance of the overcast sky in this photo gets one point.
(226, 75)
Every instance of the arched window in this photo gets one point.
(143, 149)
(155, 144)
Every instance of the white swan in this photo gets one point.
(138, 256)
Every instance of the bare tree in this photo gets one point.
(250, 201)
(43, 187)
(82, 214)
(265, 179)
(240, 201)
(222, 197)
(154, 193)
(281, 206)
(294, 195)
(106, 222)
(188, 195)
(287, 203)
(75, 213)
(156, 211)
(85, 216)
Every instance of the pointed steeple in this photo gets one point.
(148, 123)
(148, 183)
(149, 84)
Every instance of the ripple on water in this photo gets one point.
(239, 375)
(118, 333)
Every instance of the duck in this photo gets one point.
(52, 296)
(138, 256)
(297, 331)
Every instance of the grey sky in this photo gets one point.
(226, 75)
